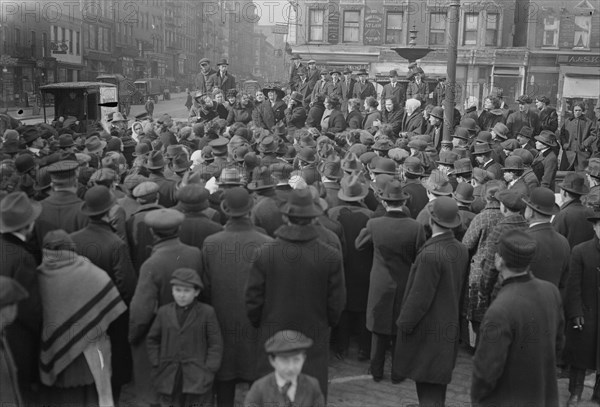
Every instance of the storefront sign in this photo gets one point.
(333, 23)
(352, 67)
(581, 60)
(373, 33)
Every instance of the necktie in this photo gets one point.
(284, 391)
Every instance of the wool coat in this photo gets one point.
(265, 392)
(413, 90)
(295, 117)
(196, 227)
(139, 236)
(294, 77)
(240, 114)
(520, 187)
(428, 325)
(265, 212)
(397, 93)
(572, 223)
(530, 179)
(363, 90)
(23, 335)
(266, 116)
(224, 82)
(578, 135)
(11, 394)
(354, 120)
(227, 257)
(488, 119)
(517, 120)
(357, 263)
(548, 119)
(414, 122)
(337, 122)
(335, 89)
(582, 300)
(369, 119)
(61, 210)
(319, 88)
(395, 238)
(297, 282)
(166, 190)
(196, 347)
(551, 260)
(545, 166)
(331, 197)
(305, 89)
(418, 196)
(393, 119)
(203, 81)
(515, 360)
(315, 114)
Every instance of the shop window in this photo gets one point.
(470, 29)
(437, 29)
(351, 26)
(77, 47)
(316, 23)
(71, 42)
(583, 28)
(491, 29)
(393, 28)
(551, 25)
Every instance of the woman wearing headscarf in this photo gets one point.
(79, 301)
(413, 120)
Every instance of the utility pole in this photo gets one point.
(452, 42)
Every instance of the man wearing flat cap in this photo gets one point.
(520, 334)
(202, 82)
(304, 292)
(571, 221)
(294, 68)
(19, 263)
(139, 236)
(431, 301)
(154, 287)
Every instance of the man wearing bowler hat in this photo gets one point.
(203, 80)
(545, 164)
(393, 90)
(510, 367)
(265, 213)
(62, 209)
(154, 289)
(223, 79)
(551, 260)
(304, 292)
(571, 221)
(483, 156)
(101, 245)
(19, 263)
(139, 236)
(431, 301)
(192, 201)
(363, 88)
(156, 164)
(226, 267)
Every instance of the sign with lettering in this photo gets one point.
(577, 59)
(333, 22)
(353, 67)
(373, 31)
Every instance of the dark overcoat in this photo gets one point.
(105, 249)
(265, 213)
(517, 120)
(196, 347)
(224, 83)
(166, 190)
(295, 117)
(227, 257)
(240, 114)
(551, 260)
(23, 335)
(544, 167)
(427, 341)
(548, 119)
(395, 239)
(578, 135)
(418, 196)
(315, 114)
(414, 123)
(363, 90)
(582, 300)
(393, 119)
(297, 283)
(61, 210)
(354, 119)
(395, 92)
(357, 263)
(196, 227)
(515, 361)
(572, 223)
(139, 236)
(337, 122)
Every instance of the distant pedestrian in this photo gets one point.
(149, 106)
(189, 102)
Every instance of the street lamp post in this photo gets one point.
(452, 42)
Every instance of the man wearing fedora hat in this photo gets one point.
(347, 88)
(363, 88)
(223, 79)
(18, 262)
(393, 90)
(412, 172)
(294, 68)
(582, 340)
(192, 201)
(331, 173)
(280, 287)
(226, 267)
(334, 87)
(483, 157)
(436, 185)
(304, 88)
(203, 80)
(156, 165)
(62, 209)
(139, 236)
(265, 213)
(525, 116)
(571, 221)
(551, 260)
(154, 289)
(431, 299)
(513, 175)
(545, 164)
(113, 257)
(508, 367)
(395, 239)
(463, 195)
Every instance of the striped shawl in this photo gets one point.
(79, 301)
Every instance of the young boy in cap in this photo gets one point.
(185, 345)
(286, 385)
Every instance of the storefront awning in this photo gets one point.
(581, 87)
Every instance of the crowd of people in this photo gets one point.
(247, 243)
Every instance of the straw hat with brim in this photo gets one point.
(574, 183)
(547, 137)
(98, 200)
(94, 145)
(393, 192)
(261, 179)
(331, 168)
(155, 161)
(300, 204)
(464, 193)
(541, 200)
(352, 189)
(275, 89)
(444, 212)
(513, 163)
(17, 212)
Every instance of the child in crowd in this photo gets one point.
(185, 345)
(286, 385)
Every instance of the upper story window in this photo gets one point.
(583, 29)
(393, 27)
(351, 26)
(437, 29)
(551, 26)
(470, 29)
(491, 29)
(316, 24)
